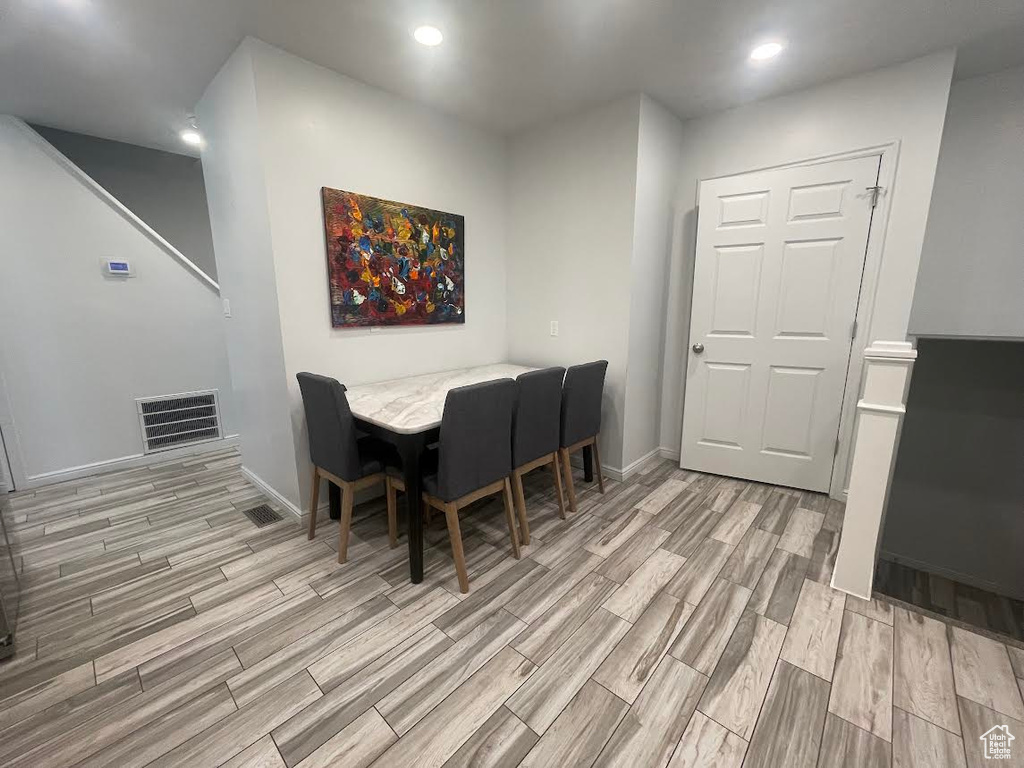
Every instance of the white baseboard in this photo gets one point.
(270, 491)
(669, 453)
(125, 462)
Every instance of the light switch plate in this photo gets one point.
(554, 327)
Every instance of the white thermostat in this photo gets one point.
(119, 268)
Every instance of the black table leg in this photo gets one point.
(410, 448)
(334, 496)
(588, 463)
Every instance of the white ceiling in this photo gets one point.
(133, 69)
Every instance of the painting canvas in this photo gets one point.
(393, 263)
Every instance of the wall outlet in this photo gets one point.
(554, 327)
(227, 308)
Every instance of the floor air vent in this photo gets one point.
(172, 421)
(262, 515)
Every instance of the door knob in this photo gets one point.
(698, 348)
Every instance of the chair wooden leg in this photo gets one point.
(314, 500)
(567, 468)
(597, 466)
(451, 514)
(517, 489)
(510, 518)
(392, 494)
(558, 484)
(346, 521)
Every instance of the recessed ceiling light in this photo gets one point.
(192, 137)
(428, 35)
(766, 51)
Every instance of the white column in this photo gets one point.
(879, 418)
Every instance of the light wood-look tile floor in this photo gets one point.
(680, 619)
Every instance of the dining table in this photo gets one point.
(407, 413)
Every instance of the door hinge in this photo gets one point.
(836, 451)
(853, 330)
(875, 191)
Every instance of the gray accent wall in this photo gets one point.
(163, 189)
(956, 506)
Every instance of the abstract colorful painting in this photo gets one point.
(392, 263)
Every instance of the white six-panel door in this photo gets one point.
(779, 260)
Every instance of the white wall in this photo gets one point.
(77, 347)
(163, 189)
(237, 196)
(303, 127)
(971, 281)
(904, 103)
(572, 196)
(659, 149)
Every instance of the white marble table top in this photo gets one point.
(415, 404)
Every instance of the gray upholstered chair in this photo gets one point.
(535, 435)
(581, 418)
(474, 460)
(338, 454)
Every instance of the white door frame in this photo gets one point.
(9, 447)
(889, 153)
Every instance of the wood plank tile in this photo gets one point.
(580, 732)
(631, 555)
(569, 540)
(461, 618)
(823, 556)
(309, 729)
(788, 731)
(151, 646)
(736, 690)
(355, 746)
(262, 754)
(551, 586)
(705, 743)
(440, 734)
(628, 668)
(334, 668)
(166, 732)
(1016, 660)
(547, 634)
(862, 684)
(916, 743)
(778, 589)
(922, 671)
(502, 742)
(749, 559)
(235, 732)
(813, 637)
(17, 707)
(661, 496)
(631, 599)
(278, 667)
(412, 700)
(692, 529)
(735, 521)
(281, 634)
(706, 634)
(876, 609)
(697, 575)
(800, 532)
(652, 727)
(983, 673)
(844, 745)
(976, 720)
(618, 533)
(775, 511)
(108, 727)
(51, 723)
(541, 699)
